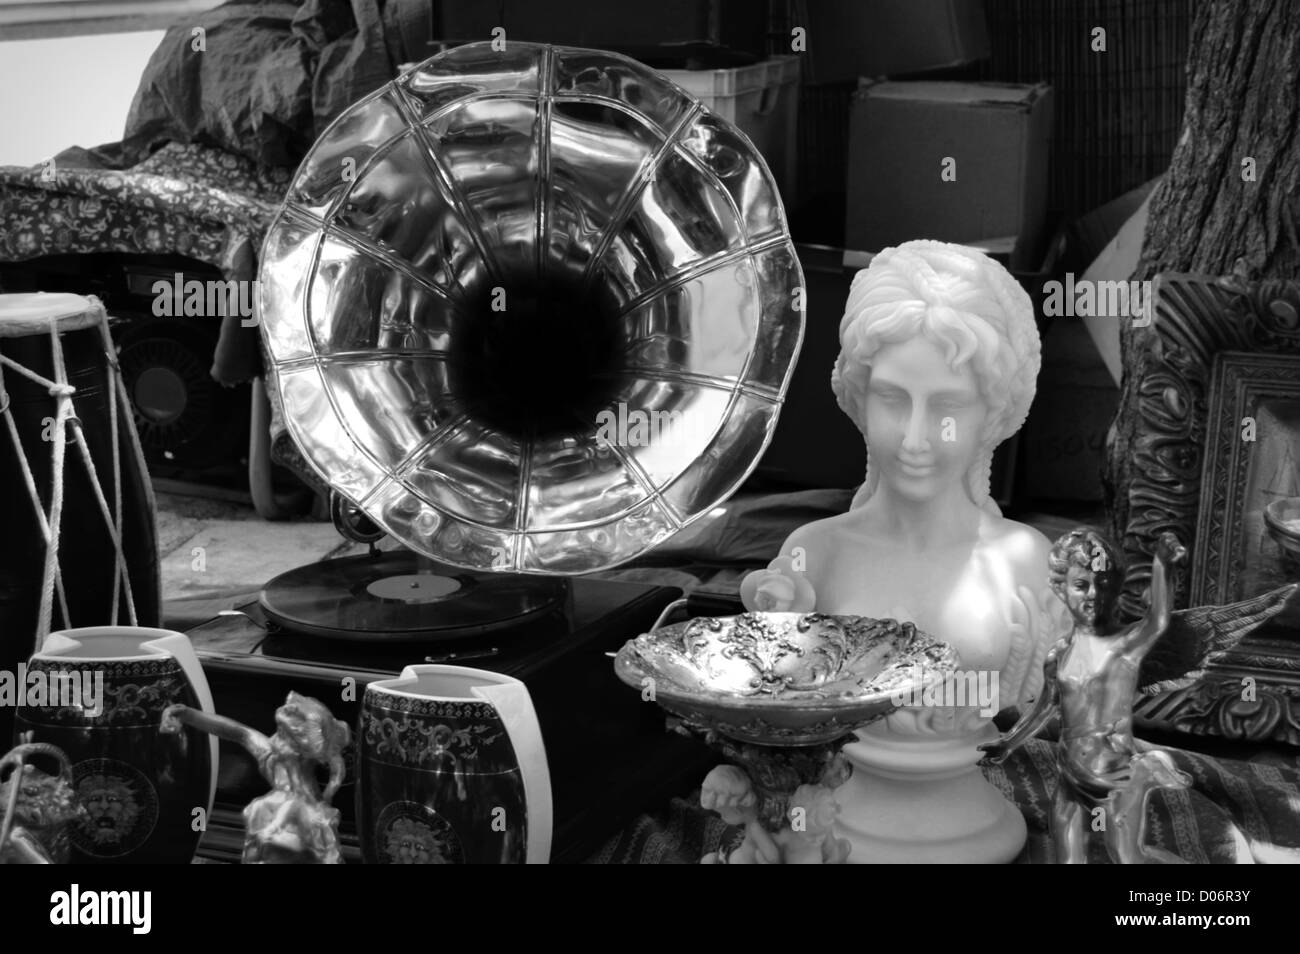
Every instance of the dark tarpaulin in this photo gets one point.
(269, 77)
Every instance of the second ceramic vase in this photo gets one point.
(451, 770)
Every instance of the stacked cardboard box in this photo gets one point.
(957, 162)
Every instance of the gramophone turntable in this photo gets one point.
(473, 268)
(398, 597)
(609, 754)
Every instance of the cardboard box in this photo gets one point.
(763, 101)
(991, 138)
(1108, 244)
(847, 39)
(1091, 233)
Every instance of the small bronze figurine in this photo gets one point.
(36, 809)
(291, 824)
(1091, 678)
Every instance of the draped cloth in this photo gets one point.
(1236, 812)
(263, 79)
(228, 105)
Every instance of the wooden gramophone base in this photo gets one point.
(610, 756)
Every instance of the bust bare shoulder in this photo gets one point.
(1025, 548)
(811, 534)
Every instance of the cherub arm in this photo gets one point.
(337, 775)
(254, 742)
(1033, 721)
(1169, 552)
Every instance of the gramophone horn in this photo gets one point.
(531, 310)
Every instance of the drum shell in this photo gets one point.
(86, 551)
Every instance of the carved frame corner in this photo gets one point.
(1195, 318)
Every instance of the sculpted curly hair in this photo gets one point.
(1079, 547)
(969, 306)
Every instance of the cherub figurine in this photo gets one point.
(1091, 678)
(291, 824)
(805, 837)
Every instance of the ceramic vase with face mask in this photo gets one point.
(451, 770)
(104, 691)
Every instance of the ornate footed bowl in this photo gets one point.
(782, 679)
(1282, 519)
(778, 694)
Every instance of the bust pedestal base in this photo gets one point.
(922, 800)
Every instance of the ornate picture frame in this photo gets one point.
(1251, 693)
(1254, 443)
(1196, 318)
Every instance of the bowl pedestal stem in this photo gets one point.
(777, 827)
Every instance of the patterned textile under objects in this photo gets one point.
(1236, 812)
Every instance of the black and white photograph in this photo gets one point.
(477, 432)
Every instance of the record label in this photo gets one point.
(399, 596)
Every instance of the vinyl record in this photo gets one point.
(401, 597)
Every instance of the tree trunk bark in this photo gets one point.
(1214, 213)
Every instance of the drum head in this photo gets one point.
(32, 313)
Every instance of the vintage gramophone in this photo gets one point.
(482, 263)
(530, 311)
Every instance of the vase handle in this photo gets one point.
(179, 647)
(515, 707)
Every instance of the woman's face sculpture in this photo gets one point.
(939, 355)
(924, 419)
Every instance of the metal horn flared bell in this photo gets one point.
(531, 309)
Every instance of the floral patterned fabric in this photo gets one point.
(189, 199)
(185, 199)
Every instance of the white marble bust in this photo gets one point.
(938, 364)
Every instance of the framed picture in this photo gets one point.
(1253, 439)
(1196, 320)
(1219, 351)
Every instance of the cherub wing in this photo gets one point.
(1195, 636)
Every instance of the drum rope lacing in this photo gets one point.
(50, 523)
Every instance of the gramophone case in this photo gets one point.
(609, 753)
